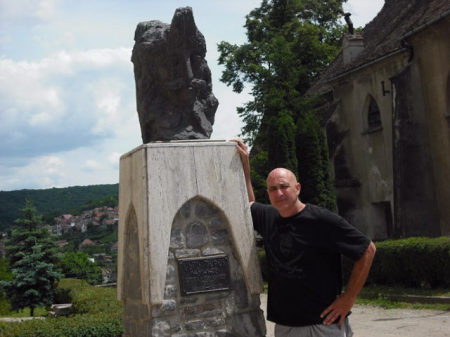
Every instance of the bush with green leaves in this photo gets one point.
(413, 262)
(416, 262)
(78, 265)
(97, 314)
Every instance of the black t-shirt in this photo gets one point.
(304, 259)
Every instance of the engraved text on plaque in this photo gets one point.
(205, 274)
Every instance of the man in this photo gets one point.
(303, 246)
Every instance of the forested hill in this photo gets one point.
(51, 202)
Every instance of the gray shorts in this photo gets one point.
(318, 330)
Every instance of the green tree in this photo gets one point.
(313, 163)
(4, 269)
(78, 265)
(32, 255)
(5, 274)
(289, 42)
(281, 149)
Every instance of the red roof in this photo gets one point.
(87, 242)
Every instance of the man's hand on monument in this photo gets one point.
(339, 309)
(243, 153)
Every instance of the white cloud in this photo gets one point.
(40, 172)
(19, 11)
(46, 9)
(52, 165)
(65, 100)
(107, 96)
(114, 159)
(92, 164)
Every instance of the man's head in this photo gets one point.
(283, 190)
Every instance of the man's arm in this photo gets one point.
(243, 152)
(344, 303)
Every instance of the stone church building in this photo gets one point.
(386, 111)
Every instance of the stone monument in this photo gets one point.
(173, 81)
(187, 264)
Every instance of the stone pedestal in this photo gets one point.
(187, 262)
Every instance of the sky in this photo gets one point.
(67, 90)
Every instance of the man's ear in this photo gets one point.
(298, 187)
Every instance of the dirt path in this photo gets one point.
(369, 321)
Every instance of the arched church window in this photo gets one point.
(373, 115)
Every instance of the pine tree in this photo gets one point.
(282, 147)
(32, 255)
(313, 164)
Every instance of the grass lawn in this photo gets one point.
(5, 311)
(379, 296)
(26, 313)
(370, 295)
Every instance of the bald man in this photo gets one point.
(303, 245)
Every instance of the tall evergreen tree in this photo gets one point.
(281, 149)
(312, 154)
(289, 43)
(32, 254)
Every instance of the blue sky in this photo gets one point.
(67, 92)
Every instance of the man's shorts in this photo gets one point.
(318, 330)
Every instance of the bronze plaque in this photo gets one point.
(205, 274)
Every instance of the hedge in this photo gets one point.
(97, 314)
(417, 262)
(414, 262)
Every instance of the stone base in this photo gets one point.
(187, 259)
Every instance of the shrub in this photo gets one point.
(78, 265)
(263, 263)
(413, 262)
(98, 314)
(88, 325)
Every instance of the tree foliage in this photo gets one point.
(318, 187)
(55, 201)
(289, 42)
(78, 265)
(32, 256)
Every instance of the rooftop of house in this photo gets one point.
(87, 242)
(384, 34)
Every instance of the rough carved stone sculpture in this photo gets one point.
(173, 81)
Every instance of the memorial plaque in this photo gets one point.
(206, 274)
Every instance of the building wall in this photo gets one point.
(394, 180)
(367, 152)
(416, 212)
(432, 60)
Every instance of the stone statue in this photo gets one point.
(173, 81)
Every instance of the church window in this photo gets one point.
(373, 115)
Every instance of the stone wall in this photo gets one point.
(187, 257)
(199, 230)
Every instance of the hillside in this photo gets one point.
(50, 202)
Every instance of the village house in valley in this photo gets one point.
(101, 216)
(386, 111)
